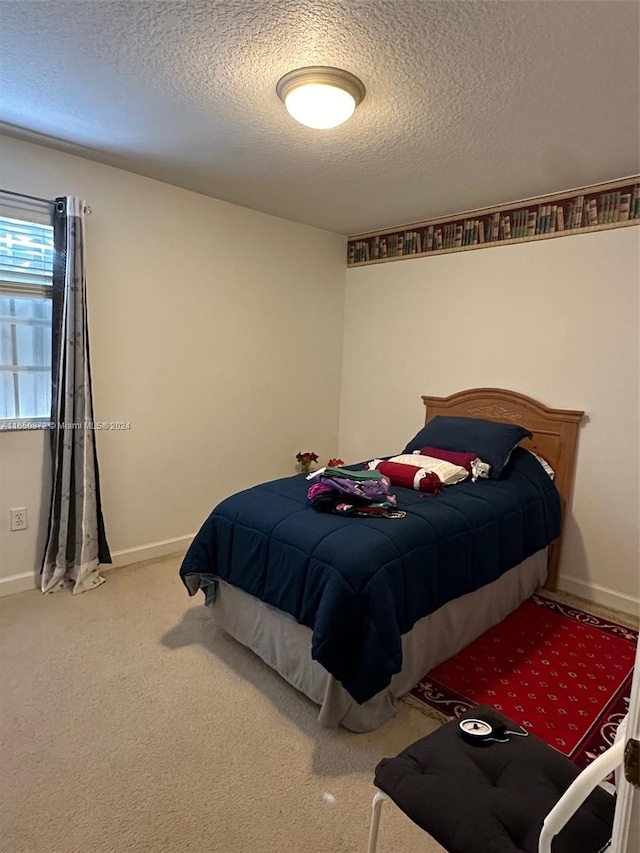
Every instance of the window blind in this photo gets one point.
(26, 279)
(26, 243)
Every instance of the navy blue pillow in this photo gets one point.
(492, 441)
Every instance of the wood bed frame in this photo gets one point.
(555, 438)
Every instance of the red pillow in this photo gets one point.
(405, 475)
(453, 456)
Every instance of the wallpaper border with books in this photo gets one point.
(614, 204)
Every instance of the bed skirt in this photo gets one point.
(285, 645)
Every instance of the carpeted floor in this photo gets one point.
(128, 722)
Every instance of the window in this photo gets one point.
(26, 291)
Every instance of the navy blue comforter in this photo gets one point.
(361, 583)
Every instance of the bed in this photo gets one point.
(353, 612)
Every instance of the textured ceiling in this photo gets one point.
(468, 103)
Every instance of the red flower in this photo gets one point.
(335, 463)
(307, 457)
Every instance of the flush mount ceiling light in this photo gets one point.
(320, 96)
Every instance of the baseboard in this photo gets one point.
(18, 583)
(178, 545)
(599, 594)
(149, 552)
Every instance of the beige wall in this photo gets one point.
(215, 330)
(557, 320)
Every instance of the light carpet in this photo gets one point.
(129, 722)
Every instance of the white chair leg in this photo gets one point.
(577, 793)
(376, 808)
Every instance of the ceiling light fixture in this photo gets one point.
(319, 96)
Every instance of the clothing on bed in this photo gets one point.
(361, 584)
(374, 488)
(354, 493)
(360, 476)
(352, 505)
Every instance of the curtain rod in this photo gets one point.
(24, 195)
(50, 201)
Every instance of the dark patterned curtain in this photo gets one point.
(76, 541)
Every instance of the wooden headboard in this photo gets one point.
(555, 437)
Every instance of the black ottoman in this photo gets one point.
(488, 797)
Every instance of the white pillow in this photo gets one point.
(544, 464)
(447, 472)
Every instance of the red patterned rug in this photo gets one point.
(563, 674)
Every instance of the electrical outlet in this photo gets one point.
(18, 518)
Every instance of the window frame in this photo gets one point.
(33, 212)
